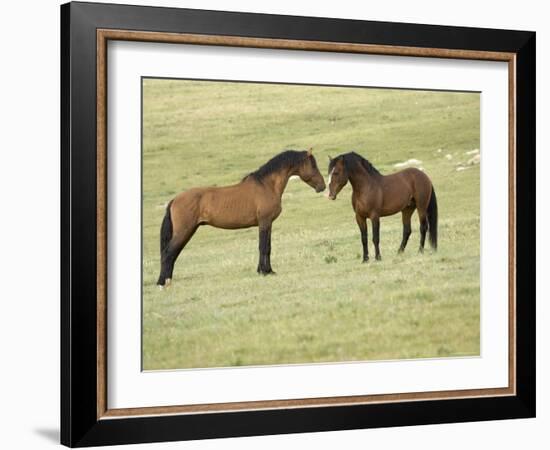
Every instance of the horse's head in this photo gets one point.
(337, 176)
(309, 172)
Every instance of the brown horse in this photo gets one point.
(375, 195)
(255, 201)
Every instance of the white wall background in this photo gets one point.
(29, 224)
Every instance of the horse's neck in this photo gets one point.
(361, 181)
(278, 181)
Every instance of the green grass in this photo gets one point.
(323, 304)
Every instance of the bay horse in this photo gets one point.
(375, 195)
(255, 201)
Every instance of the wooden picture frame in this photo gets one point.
(86, 418)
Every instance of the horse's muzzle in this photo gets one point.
(320, 189)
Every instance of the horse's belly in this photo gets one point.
(228, 214)
(230, 223)
(395, 208)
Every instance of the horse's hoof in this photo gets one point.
(267, 272)
(378, 258)
(365, 260)
(165, 285)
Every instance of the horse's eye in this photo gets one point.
(335, 173)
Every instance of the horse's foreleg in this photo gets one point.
(264, 264)
(406, 214)
(362, 223)
(376, 236)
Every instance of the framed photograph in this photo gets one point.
(277, 224)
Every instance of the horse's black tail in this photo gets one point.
(166, 230)
(432, 220)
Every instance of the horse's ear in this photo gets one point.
(309, 151)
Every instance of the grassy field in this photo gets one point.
(323, 304)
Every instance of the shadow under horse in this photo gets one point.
(375, 195)
(255, 201)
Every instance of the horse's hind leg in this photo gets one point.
(422, 216)
(406, 215)
(178, 227)
(170, 253)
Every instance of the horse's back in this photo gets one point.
(229, 207)
(410, 173)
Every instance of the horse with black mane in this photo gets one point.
(255, 201)
(375, 195)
